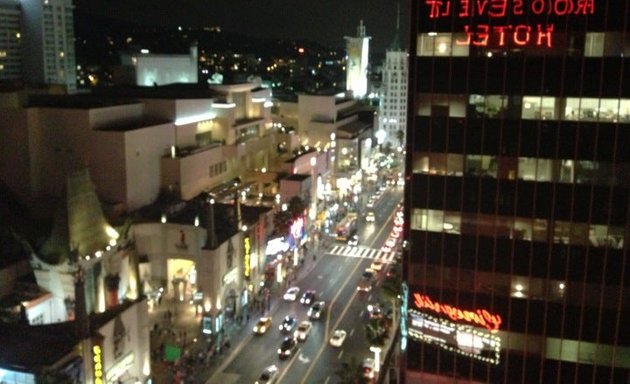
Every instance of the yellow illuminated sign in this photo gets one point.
(97, 359)
(247, 255)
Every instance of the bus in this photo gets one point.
(347, 227)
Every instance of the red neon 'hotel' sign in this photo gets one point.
(479, 316)
(501, 35)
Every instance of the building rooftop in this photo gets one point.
(353, 130)
(82, 101)
(297, 177)
(169, 91)
(22, 343)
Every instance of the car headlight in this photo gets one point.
(287, 352)
(279, 351)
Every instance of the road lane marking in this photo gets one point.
(327, 332)
(340, 354)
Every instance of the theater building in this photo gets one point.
(517, 192)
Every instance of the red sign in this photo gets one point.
(501, 35)
(479, 316)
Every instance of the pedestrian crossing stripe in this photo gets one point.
(362, 252)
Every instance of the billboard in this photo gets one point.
(463, 339)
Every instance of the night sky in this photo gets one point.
(322, 21)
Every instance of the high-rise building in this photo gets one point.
(48, 55)
(393, 103)
(517, 198)
(357, 51)
(10, 37)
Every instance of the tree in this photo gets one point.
(350, 372)
(376, 331)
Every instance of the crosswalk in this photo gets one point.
(363, 252)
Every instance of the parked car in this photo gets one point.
(338, 337)
(291, 294)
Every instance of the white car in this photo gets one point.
(368, 368)
(338, 337)
(353, 241)
(269, 375)
(302, 331)
(369, 217)
(291, 294)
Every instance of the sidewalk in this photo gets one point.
(182, 328)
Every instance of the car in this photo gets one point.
(374, 311)
(368, 274)
(316, 310)
(308, 297)
(370, 203)
(338, 337)
(303, 330)
(353, 241)
(369, 217)
(287, 347)
(386, 248)
(263, 324)
(288, 323)
(269, 375)
(377, 265)
(366, 281)
(291, 294)
(390, 242)
(367, 368)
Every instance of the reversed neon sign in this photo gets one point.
(502, 35)
(479, 316)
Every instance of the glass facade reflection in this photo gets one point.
(517, 198)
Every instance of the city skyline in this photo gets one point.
(304, 20)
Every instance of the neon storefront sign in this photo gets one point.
(97, 363)
(247, 257)
(463, 339)
(508, 34)
(479, 317)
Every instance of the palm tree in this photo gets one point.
(350, 372)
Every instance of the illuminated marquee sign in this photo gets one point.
(463, 339)
(97, 361)
(247, 257)
(506, 34)
(479, 317)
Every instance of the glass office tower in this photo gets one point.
(517, 192)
